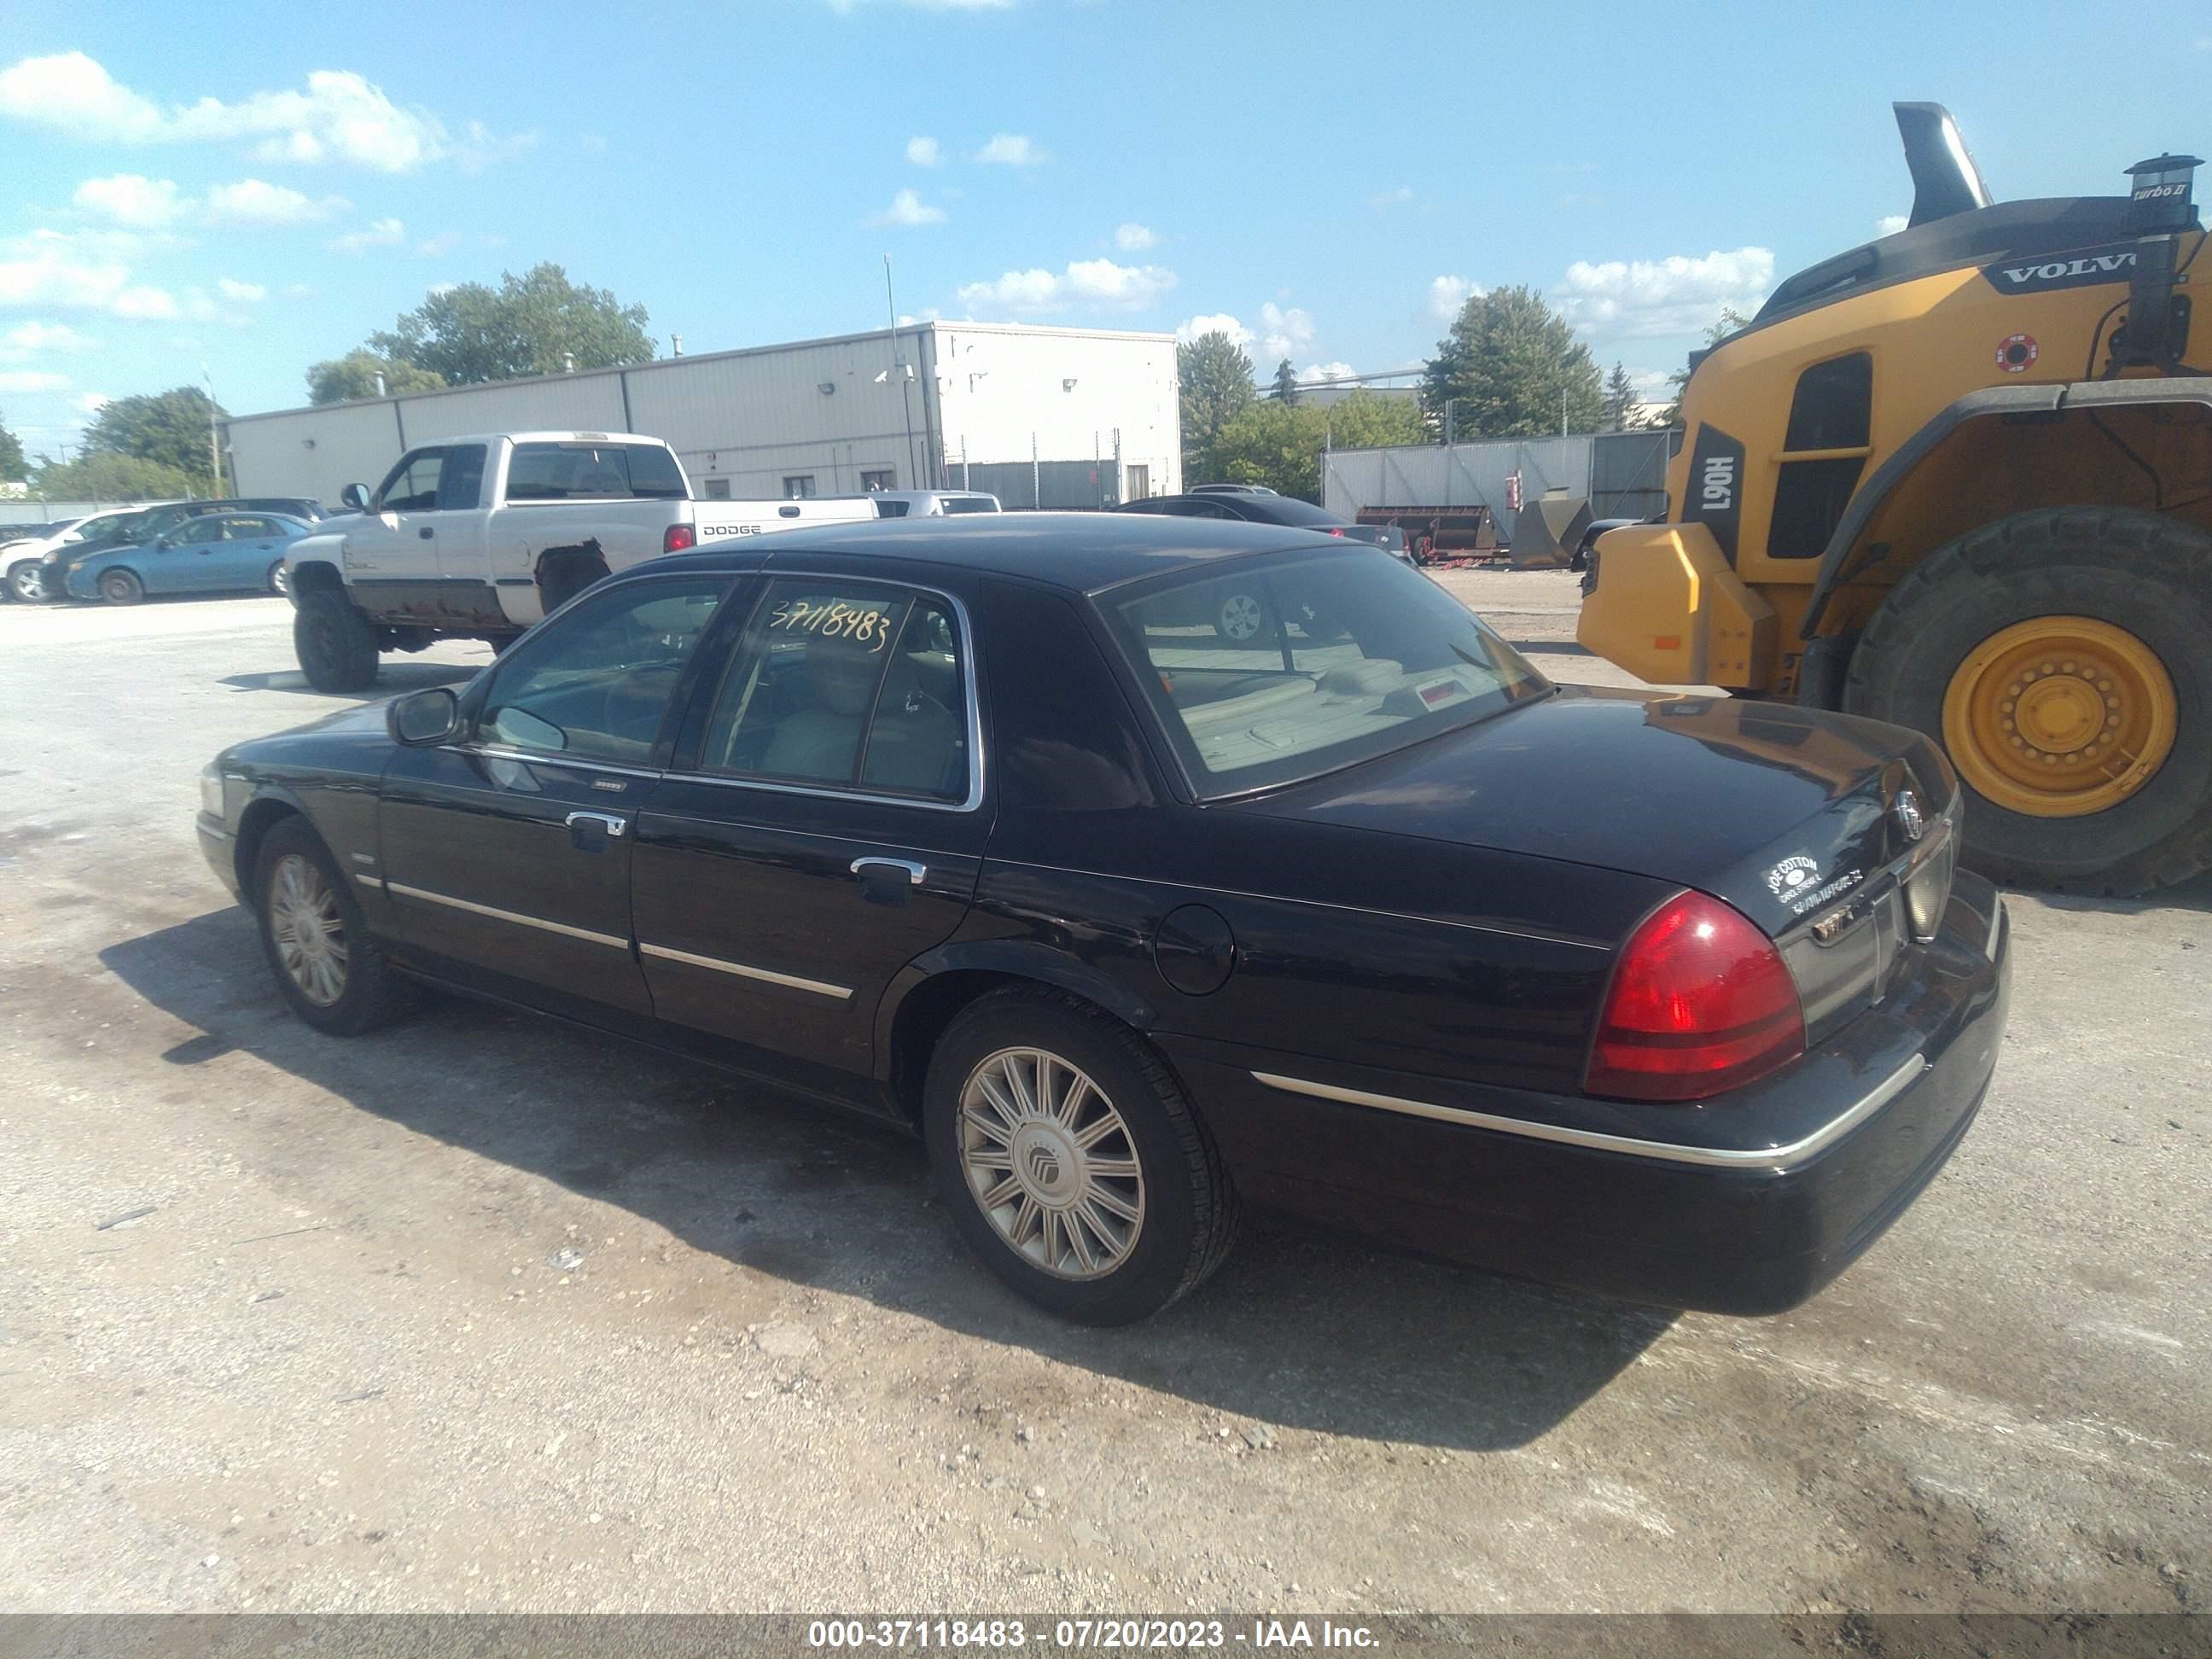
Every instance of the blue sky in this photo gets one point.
(254, 186)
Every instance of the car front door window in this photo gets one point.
(413, 485)
(597, 683)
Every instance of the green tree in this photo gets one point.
(1510, 368)
(1214, 385)
(168, 428)
(342, 380)
(539, 323)
(1620, 398)
(1281, 445)
(11, 455)
(104, 476)
(1286, 383)
(1730, 320)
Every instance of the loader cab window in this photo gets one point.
(1832, 411)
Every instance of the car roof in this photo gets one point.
(1082, 552)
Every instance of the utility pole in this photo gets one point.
(906, 380)
(1563, 408)
(215, 449)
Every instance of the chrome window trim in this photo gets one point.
(550, 758)
(819, 987)
(515, 916)
(1323, 904)
(977, 778)
(1716, 1157)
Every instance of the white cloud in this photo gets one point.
(436, 247)
(32, 379)
(1889, 224)
(30, 339)
(909, 208)
(1098, 282)
(256, 203)
(1219, 322)
(1284, 333)
(1647, 298)
(1011, 149)
(924, 152)
(1134, 238)
(338, 114)
(1447, 294)
(71, 271)
(243, 293)
(1327, 371)
(385, 233)
(131, 199)
(479, 146)
(90, 403)
(1391, 197)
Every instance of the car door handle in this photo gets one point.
(607, 821)
(912, 872)
(425, 532)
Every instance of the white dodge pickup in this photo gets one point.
(477, 537)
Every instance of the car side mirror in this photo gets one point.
(355, 496)
(424, 717)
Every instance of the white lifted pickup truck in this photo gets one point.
(478, 537)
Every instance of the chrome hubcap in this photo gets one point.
(1051, 1164)
(310, 936)
(281, 579)
(1240, 615)
(29, 585)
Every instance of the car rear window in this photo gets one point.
(593, 471)
(1272, 669)
(970, 504)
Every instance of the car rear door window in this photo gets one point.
(846, 685)
(596, 683)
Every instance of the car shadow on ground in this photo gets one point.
(2194, 894)
(393, 679)
(1299, 1330)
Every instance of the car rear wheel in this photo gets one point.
(326, 965)
(2059, 655)
(1071, 1161)
(121, 587)
(280, 578)
(335, 645)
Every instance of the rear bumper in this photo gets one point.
(1747, 1205)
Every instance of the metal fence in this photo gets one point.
(1622, 473)
(33, 509)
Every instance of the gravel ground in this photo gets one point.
(484, 1314)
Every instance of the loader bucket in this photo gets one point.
(1548, 532)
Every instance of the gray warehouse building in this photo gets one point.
(1040, 416)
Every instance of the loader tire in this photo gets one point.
(2063, 658)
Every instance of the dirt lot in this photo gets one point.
(481, 1313)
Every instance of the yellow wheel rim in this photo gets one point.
(2058, 717)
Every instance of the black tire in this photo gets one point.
(335, 645)
(121, 587)
(1189, 1206)
(370, 993)
(280, 579)
(564, 575)
(27, 582)
(2143, 572)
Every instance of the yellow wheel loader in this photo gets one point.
(1961, 478)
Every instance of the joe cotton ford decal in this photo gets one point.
(1797, 882)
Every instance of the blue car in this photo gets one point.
(217, 553)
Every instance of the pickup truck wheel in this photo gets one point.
(335, 645)
(565, 576)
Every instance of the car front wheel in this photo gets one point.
(27, 583)
(326, 966)
(1071, 1161)
(121, 587)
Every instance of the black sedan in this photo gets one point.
(966, 824)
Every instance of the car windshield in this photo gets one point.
(1283, 667)
(1289, 509)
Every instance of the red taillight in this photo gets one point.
(1701, 1002)
(679, 536)
(1335, 531)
